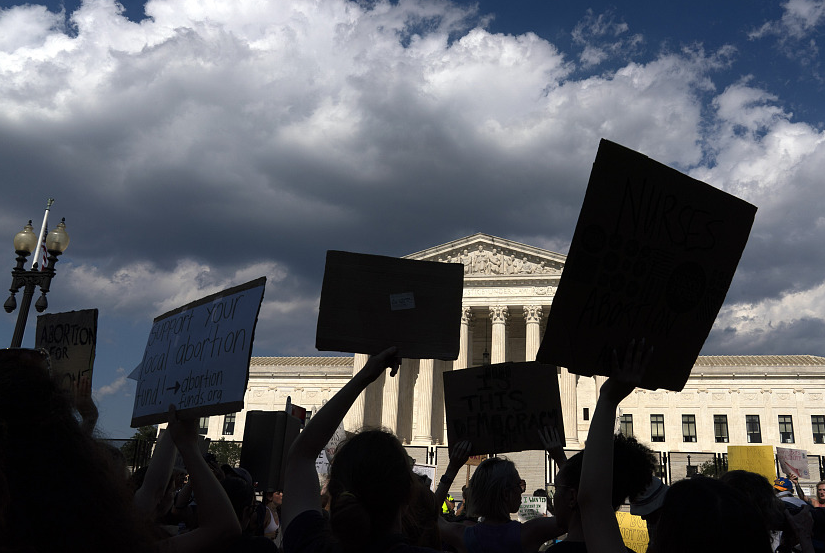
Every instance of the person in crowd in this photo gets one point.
(784, 488)
(40, 435)
(370, 480)
(632, 469)
(818, 500)
(759, 493)
(241, 494)
(494, 493)
(698, 514)
(648, 504)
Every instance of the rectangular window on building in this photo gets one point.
(586, 414)
(689, 428)
(753, 429)
(229, 424)
(818, 424)
(657, 428)
(203, 425)
(786, 429)
(720, 428)
(626, 425)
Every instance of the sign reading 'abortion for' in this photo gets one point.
(197, 356)
(501, 408)
(653, 255)
(70, 339)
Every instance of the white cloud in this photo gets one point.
(144, 289)
(113, 387)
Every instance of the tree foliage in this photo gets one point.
(226, 453)
(137, 449)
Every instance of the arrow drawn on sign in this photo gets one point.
(176, 387)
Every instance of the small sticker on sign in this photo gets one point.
(402, 301)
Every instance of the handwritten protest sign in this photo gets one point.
(793, 461)
(634, 531)
(532, 507)
(502, 407)
(325, 456)
(428, 471)
(653, 255)
(197, 356)
(70, 339)
(753, 458)
(371, 302)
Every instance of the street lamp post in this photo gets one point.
(26, 242)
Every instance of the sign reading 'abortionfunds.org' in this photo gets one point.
(197, 356)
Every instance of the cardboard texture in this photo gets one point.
(753, 458)
(793, 461)
(70, 339)
(501, 408)
(371, 302)
(652, 256)
(634, 531)
(197, 356)
(532, 507)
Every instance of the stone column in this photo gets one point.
(599, 381)
(389, 413)
(532, 319)
(407, 375)
(465, 340)
(374, 401)
(354, 420)
(423, 424)
(569, 407)
(499, 315)
(438, 418)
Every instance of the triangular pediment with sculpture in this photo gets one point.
(486, 256)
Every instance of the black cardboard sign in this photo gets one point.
(70, 339)
(371, 302)
(501, 408)
(652, 257)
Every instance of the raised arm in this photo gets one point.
(301, 485)
(217, 521)
(553, 445)
(150, 494)
(458, 457)
(601, 529)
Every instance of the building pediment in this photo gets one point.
(489, 258)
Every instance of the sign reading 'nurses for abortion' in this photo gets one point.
(197, 356)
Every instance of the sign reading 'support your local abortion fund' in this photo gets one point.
(197, 356)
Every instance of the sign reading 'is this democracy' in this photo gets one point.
(500, 408)
(652, 256)
(197, 356)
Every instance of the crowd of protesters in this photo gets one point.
(61, 489)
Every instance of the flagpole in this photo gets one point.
(42, 232)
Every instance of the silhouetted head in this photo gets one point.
(495, 489)
(370, 482)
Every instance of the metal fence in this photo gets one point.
(671, 467)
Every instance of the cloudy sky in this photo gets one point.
(194, 145)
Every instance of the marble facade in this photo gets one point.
(509, 289)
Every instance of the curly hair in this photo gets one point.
(633, 465)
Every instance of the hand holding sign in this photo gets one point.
(626, 377)
(376, 364)
(553, 444)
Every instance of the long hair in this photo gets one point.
(370, 480)
(487, 487)
(44, 453)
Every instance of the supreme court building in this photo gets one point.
(508, 291)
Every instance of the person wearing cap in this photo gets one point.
(783, 488)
